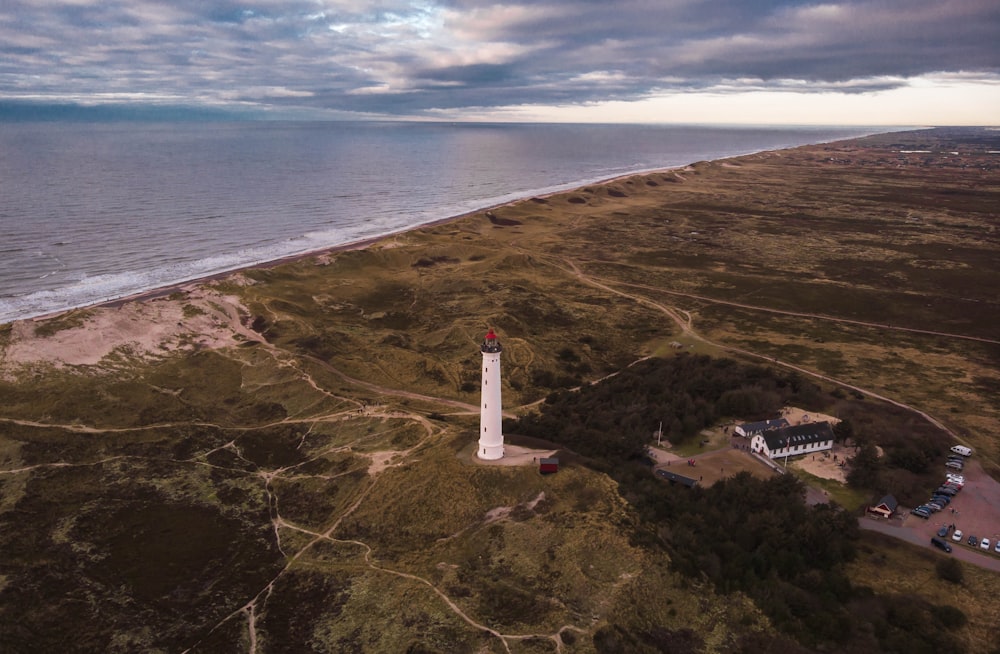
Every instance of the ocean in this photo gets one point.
(91, 212)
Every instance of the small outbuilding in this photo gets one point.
(548, 465)
(885, 508)
(751, 429)
(675, 478)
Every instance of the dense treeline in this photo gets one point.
(615, 417)
(742, 534)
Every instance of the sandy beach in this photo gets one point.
(150, 322)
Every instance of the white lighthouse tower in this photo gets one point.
(490, 414)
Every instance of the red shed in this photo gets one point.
(548, 465)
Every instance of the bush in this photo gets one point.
(951, 617)
(950, 569)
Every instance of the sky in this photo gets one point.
(864, 62)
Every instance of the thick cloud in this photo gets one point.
(397, 57)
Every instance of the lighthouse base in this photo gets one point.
(490, 452)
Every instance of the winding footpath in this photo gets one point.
(683, 320)
(251, 609)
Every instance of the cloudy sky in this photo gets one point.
(898, 62)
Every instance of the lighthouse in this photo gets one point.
(490, 414)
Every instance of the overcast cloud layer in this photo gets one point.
(440, 58)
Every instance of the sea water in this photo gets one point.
(95, 211)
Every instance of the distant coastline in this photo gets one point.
(52, 277)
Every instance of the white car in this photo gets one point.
(985, 544)
(957, 536)
(996, 548)
(958, 479)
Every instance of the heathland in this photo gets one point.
(282, 459)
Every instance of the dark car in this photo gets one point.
(941, 499)
(943, 531)
(973, 541)
(946, 490)
(940, 544)
(922, 512)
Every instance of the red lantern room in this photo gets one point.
(490, 343)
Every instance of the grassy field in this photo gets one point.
(305, 489)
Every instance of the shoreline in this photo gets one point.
(359, 244)
(363, 243)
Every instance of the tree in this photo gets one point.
(843, 431)
(865, 467)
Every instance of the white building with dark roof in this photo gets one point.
(793, 441)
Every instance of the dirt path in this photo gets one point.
(380, 461)
(814, 316)
(684, 321)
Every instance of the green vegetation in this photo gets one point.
(56, 324)
(613, 419)
(950, 570)
(743, 534)
(313, 488)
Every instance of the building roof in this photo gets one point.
(490, 343)
(764, 425)
(676, 478)
(889, 502)
(805, 434)
(549, 460)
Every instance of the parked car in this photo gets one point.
(921, 512)
(985, 544)
(973, 541)
(946, 490)
(957, 536)
(940, 544)
(955, 478)
(954, 465)
(943, 532)
(961, 449)
(996, 548)
(941, 498)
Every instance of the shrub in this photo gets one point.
(950, 569)
(951, 617)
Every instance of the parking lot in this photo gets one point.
(975, 510)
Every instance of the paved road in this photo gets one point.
(983, 560)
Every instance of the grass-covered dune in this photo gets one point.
(283, 459)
